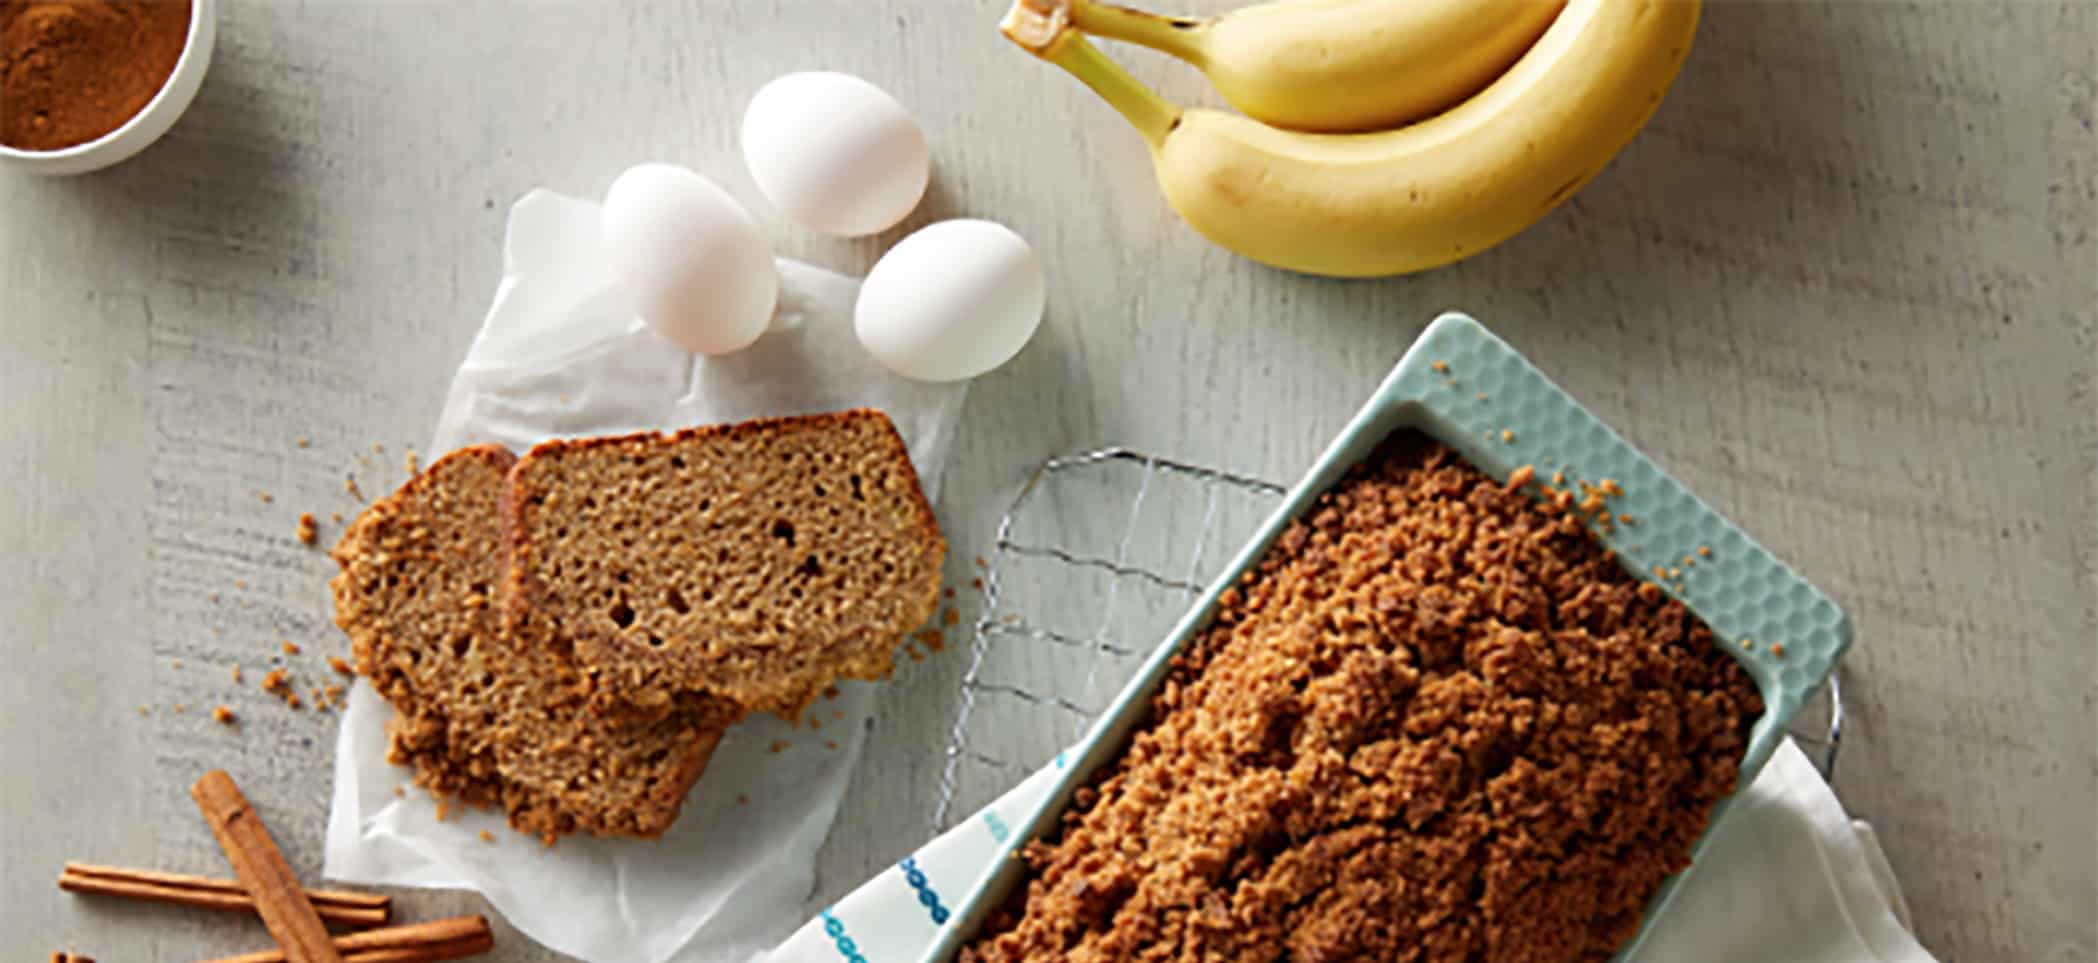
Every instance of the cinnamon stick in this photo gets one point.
(279, 900)
(445, 939)
(346, 907)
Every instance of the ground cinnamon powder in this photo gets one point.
(74, 70)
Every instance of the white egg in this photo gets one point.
(693, 261)
(952, 301)
(834, 153)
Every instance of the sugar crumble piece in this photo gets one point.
(830, 692)
(290, 647)
(240, 583)
(214, 598)
(335, 517)
(1777, 649)
(444, 811)
(276, 681)
(334, 694)
(780, 745)
(1705, 550)
(349, 486)
(916, 655)
(1626, 519)
(1674, 574)
(266, 497)
(222, 715)
(1507, 436)
(742, 799)
(1689, 561)
(815, 723)
(304, 442)
(1612, 488)
(837, 714)
(292, 700)
(1659, 571)
(487, 837)
(307, 533)
(947, 593)
(179, 706)
(831, 744)
(950, 617)
(236, 673)
(1592, 504)
(378, 449)
(1748, 643)
(1482, 396)
(399, 793)
(1522, 476)
(175, 664)
(142, 710)
(340, 665)
(980, 563)
(1559, 478)
(412, 463)
(1441, 367)
(976, 583)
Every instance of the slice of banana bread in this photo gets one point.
(757, 562)
(481, 720)
(419, 572)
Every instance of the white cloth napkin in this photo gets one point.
(561, 354)
(1787, 876)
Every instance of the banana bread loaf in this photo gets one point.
(1437, 723)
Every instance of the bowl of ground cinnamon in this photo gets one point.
(87, 83)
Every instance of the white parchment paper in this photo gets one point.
(561, 354)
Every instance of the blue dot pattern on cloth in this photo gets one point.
(926, 897)
(836, 930)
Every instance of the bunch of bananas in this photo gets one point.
(1379, 137)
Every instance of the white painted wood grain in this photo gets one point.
(1843, 286)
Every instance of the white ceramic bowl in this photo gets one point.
(144, 127)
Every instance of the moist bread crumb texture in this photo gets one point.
(481, 720)
(411, 567)
(1436, 723)
(755, 562)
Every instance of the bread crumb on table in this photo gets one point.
(349, 485)
(950, 617)
(236, 673)
(1705, 550)
(290, 647)
(266, 497)
(742, 799)
(780, 745)
(830, 692)
(815, 723)
(142, 710)
(444, 811)
(1508, 436)
(175, 664)
(1441, 367)
(340, 665)
(487, 837)
(304, 442)
(335, 517)
(1522, 476)
(307, 533)
(831, 744)
(1777, 649)
(222, 715)
(399, 793)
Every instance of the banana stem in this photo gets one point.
(1152, 116)
(1178, 36)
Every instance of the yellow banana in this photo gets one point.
(1338, 65)
(1394, 202)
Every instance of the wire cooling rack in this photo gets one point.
(1097, 557)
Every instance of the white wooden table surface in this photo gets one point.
(1843, 286)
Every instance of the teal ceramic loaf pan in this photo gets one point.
(1461, 385)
